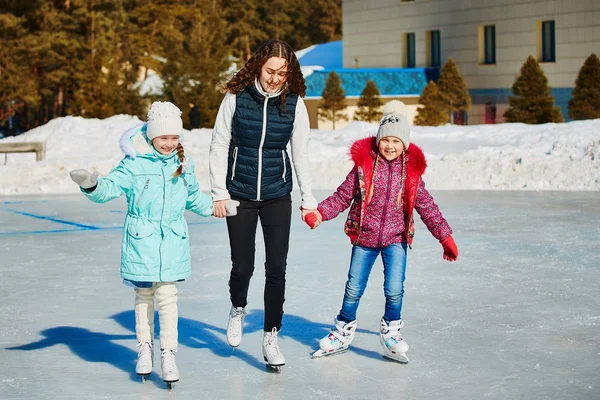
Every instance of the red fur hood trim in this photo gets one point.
(365, 149)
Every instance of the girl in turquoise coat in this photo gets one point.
(159, 186)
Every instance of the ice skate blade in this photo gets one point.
(144, 377)
(399, 358)
(274, 368)
(321, 353)
(170, 384)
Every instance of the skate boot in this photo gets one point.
(145, 359)
(170, 374)
(337, 340)
(271, 353)
(235, 326)
(394, 347)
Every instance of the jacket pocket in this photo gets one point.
(142, 246)
(284, 165)
(235, 151)
(140, 230)
(178, 243)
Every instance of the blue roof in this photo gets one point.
(389, 81)
(328, 55)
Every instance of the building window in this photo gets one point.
(487, 44)
(407, 1)
(546, 41)
(409, 50)
(490, 44)
(434, 57)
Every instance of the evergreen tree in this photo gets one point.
(17, 81)
(533, 102)
(245, 28)
(433, 112)
(369, 104)
(197, 57)
(332, 106)
(585, 101)
(453, 89)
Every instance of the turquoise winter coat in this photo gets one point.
(156, 246)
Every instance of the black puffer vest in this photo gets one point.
(258, 164)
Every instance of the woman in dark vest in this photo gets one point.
(261, 113)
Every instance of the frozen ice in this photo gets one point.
(516, 317)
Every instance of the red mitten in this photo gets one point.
(311, 219)
(450, 249)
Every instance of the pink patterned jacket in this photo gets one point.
(381, 217)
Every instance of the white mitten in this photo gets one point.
(84, 179)
(231, 207)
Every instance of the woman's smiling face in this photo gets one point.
(273, 74)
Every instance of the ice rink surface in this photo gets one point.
(517, 317)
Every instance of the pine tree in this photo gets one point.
(433, 112)
(17, 81)
(585, 101)
(369, 104)
(532, 102)
(332, 106)
(453, 89)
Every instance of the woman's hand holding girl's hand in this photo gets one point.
(220, 208)
(450, 249)
(313, 218)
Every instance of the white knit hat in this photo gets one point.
(164, 118)
(394, 123)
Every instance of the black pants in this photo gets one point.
(275, 218)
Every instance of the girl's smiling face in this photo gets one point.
(390, 147)
(273, 74)
(165, 144)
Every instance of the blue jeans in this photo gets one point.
(394, 270)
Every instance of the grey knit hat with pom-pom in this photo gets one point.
(394, 123)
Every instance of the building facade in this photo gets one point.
(488, 39)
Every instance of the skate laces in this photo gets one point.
(168, 357)
(144, 349)
(272, 341)
(237, 315)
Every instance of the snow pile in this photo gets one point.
(480, 157)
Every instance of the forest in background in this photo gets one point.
(88, 57)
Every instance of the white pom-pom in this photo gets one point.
(163, 109)
(395, 107)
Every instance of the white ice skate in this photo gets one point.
(271, 352)
(170, 374)
(337, 340)
(235, 326)
(145, 360)
(394, 346)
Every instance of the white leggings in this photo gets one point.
(166, 302)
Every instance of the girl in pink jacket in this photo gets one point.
(382, 190)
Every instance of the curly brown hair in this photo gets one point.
(247, 75)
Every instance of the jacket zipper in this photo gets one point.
(162, 233)
(143, 191)
(235, 151)
(284, 166)
(387, 199)
(260, 147)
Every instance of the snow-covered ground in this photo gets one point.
(516, 317)
(480, 157)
